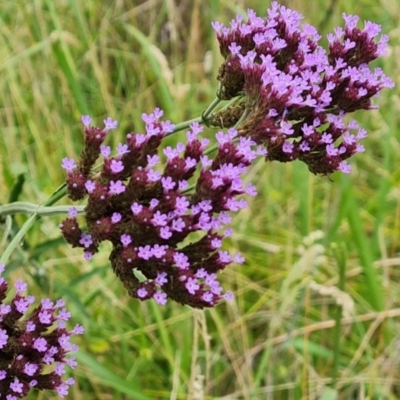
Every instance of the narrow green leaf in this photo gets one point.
(148, 50)
(107, 377)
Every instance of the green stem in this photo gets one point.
(341, 263)
(18, 238)
(185, 125)
(242, 118)
(30, 208)
(202, 119)
(58, 194)
(18, 207)
(210, 108)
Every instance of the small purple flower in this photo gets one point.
(90, 186)
(122, 149)
(46, 304)
(72, 212)
(86, 240)
(116, 187)
(110, 124)
(64, 315)
(181, 260)
(142, 292)
(344, 167)
(22, 305)
(126, 239)
(167, 183)
(224, 257)
(30, 326)
(40, 345)
(86, 120)
(159, 251)
(116, 217)
(159, 219)
(68, 164)
(72, 362)
(30, 369)
(105, 151)
(136, 208)
(178, 225)
(171, 153)
(165, 233)
(16, 386)
(161, 278)
(160, 298)
(145, 252)
(78, 330)
(205, 162)
(45, 317)
(116, 166)
(191, 285)
(153, 176)
(228, 296)
(167, 127)
(154, 203)
(62, 390)
(20, 286)
(152, 161)
(216, 243)
(238, 258)
(207, 297)
(3, 338)
(181, 205)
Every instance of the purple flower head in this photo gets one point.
(27, 348)
(277, 65)
(148, 212)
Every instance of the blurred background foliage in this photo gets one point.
(317, 249)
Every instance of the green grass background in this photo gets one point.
(317, 249)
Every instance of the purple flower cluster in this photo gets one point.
(166, 236)
(290, 101)
(293, 95)
(31, 342)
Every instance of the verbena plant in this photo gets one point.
(167, 210)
